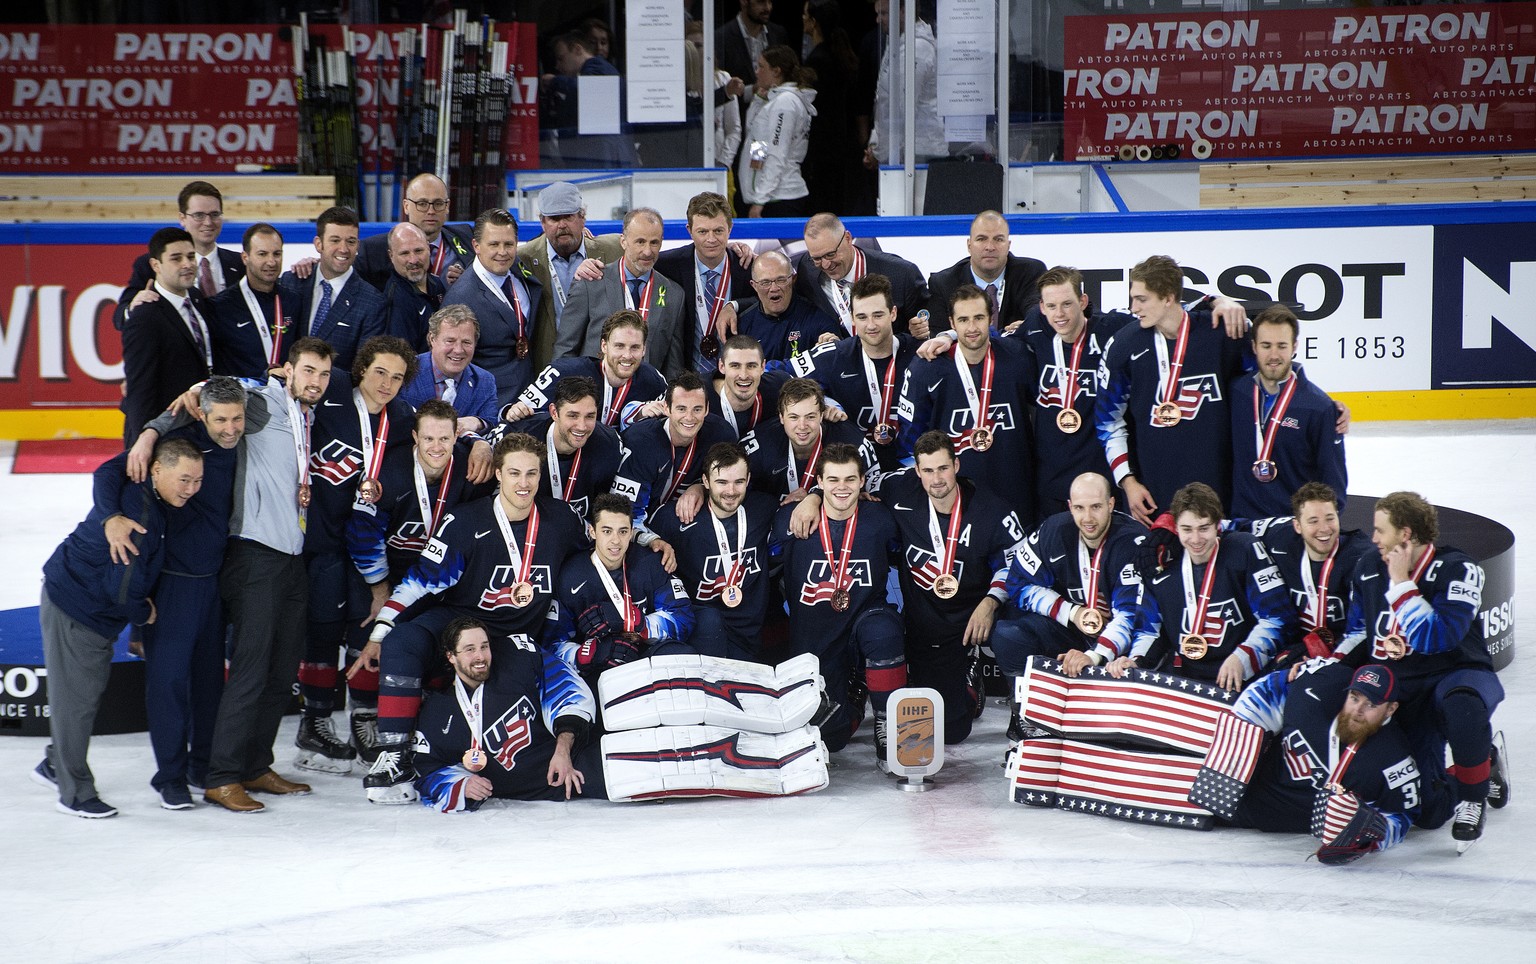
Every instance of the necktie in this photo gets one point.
(324, 307)
(448, 393)
(991, 294)
(205, 278)
(634, 292)
(711, 288)
(510, 291)
(197, 330)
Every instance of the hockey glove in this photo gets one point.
(592, 623)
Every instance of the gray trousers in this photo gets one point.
(265, 595)
(79, 664)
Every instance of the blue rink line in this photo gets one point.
(21, 640)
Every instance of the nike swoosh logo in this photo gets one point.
(244, 324)
(1313, 695)
(578, 587)
(1371, 576)
(343, 324)
(482, 535)
(332, 404)
(685, 528)
(1138, 354)
(935, 386)
(901, 508)
(849, 375)
(448, 726)
(1057, 558)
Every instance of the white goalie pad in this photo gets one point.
(710, 761)
(687, 690)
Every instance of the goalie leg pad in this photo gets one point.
(707, 761)
(1156, 709)
(688, 690)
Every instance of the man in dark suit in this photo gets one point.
(554, 256)
(334, 303)
(1008, 281)
(424, 204)
(201, 208)
(412, 292)
(716, 288)
(166, 343)
(631, 283)
(742, 39)
(505, 296)
(249, 339)
(831, 264)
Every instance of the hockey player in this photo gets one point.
(664, 457)
(354, 429)
(743, 392)
(723, 557)
(784, 452)
(1283, 426)
(980, 395)
(863, 373)
(617, 604)
(956, 547)
(835, 583)
(1073, 589)
(1220, 612)
(1339, 765)
(1068, 341)
(495, 559)
(514, 724)
(582, 454)
(1168, 375)
(627, 381)
(1415, 608)
(1316, 557)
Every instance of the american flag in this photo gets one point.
(1133, 785)
(1157, 709)
(1229, 765)
(1332, 813)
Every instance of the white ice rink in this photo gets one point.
(857, 872)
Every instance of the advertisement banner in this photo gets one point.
(99, 99)
(1302, 83)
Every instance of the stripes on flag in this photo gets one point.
(1132, 785)
(1145, 707)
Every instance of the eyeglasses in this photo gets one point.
(423, 205)
(201, 216)
(825, 260)
(769, 284)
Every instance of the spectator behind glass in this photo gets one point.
(832, 167)
(778, 131)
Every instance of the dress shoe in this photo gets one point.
(270, 782)
(232, 796)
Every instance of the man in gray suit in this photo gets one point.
(634, 283)
(554, 256)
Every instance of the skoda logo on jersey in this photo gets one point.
(511, 733)
(715, 568)
(1194, 392)
(999, 417)
(499, 595)
(336, 462)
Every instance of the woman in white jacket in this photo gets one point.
(778, 132)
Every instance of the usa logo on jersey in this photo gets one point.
(499, 594)
(1300, 762)
(712, 579)
(1050, 388)
(818, 585)
(1218, 617)
(924, 565)
(999, 419)
(410, 537)
(1194, 392)
(511, 733)
(336, 463)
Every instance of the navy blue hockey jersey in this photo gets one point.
(616, 408)
(385, 539)
(1305, 446)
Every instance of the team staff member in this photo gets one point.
(412, 292)
(200, 212)
(250, 339)
(716, 286)
(445, 371)
(424, 203)
(167, 344)
(786, 326)
(1283, 426)
(334, 304)
(832, 264)
(554, 256)
(87, 600)
(956, 544)
(505, 297)
(1011, 284)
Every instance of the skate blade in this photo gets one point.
(320, 763)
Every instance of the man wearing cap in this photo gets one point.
(554, 256)
(1338, 767)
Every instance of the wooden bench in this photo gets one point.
(1376, 180)
(136, 197)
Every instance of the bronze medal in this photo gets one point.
(474, 760)
(884, 433)
(981, 439)
(370, 491)
(841, 600)
(1395, 646)
(709, 346)
(946, 586)
(731, 595)
(1068, 420)
(1090, 621)
(304, 496)
(522, 347)
(1166, 415)
(522, 594)
(1264, 470)
(1194, 646)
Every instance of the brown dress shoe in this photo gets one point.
(270, 782)
(232, 796)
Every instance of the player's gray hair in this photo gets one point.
(220, 390)
(452, 315)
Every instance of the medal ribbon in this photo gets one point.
(732, 564)
(1169, 373)
(730, 413)
(644, 307)
(271, 335)
(810, 464)
(682, 470)
(845, 305)
(1265, 430)
(839, 564)
(1088, 572)
(429, 514)
(1317, 596)
(522, 561)
(299, 416)
(560, 491)
(945, 546)
(613, 403)
(709, 313)
(879, 396)
(1414, 577)
(1338, 762)
(981, 405)
(442, 254)
(1066, 375)
(621, 602)
(373, 446)
(1197, 607)
(470, 705)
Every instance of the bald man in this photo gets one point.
(832, 264)
(412, 292)
(424, 204)
(787, 327)
(988, 264)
